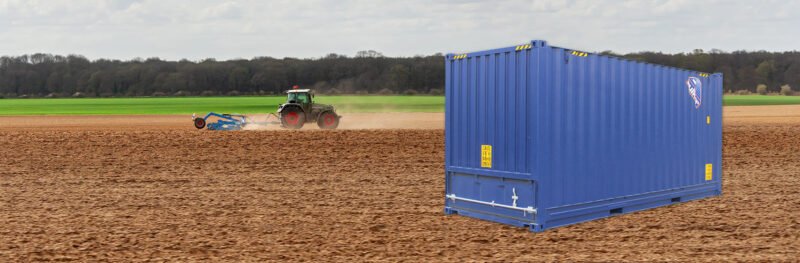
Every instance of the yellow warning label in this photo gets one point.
(708, 119)
(523, 47)
(486, 156)
(709, 171)
(580, 54)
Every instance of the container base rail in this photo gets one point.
(574, 214)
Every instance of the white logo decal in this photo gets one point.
(695, 90)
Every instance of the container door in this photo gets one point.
(713, 167)
(488, 133)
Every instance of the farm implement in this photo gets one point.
(298, 110)
(226, 122)
(229, 122)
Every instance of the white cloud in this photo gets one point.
(227, 10)
(247, 28)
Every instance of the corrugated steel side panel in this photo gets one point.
(612, 127)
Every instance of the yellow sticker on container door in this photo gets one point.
(486, 156)
(709, 171)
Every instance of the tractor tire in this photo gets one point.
(199, 123)
(328, 121)
(293, 118)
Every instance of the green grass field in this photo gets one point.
(200, 105)
(751, 100)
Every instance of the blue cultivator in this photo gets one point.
(229, 122)
(225, 122)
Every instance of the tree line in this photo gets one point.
(742, 70)
(73, 75)
(368, 72)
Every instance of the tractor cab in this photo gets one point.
(300, 97)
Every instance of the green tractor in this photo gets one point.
(300, 109)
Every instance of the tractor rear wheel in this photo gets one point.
(328, 121)
(293, 118)
(199, 123)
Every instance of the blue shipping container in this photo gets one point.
(539, 136)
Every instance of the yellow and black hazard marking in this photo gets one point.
(460, 56)
(703, 74)
(580, 54)
(523, 47)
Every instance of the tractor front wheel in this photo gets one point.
(293, 118)
(328, 121)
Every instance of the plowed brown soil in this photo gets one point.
(159, 194)
(349, 121)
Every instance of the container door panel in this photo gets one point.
(488, 131)
(488, 116)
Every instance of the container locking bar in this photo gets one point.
(529, 209)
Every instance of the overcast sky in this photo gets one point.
(197, 29)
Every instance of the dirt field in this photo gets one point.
(184, 122)
(121, 189)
